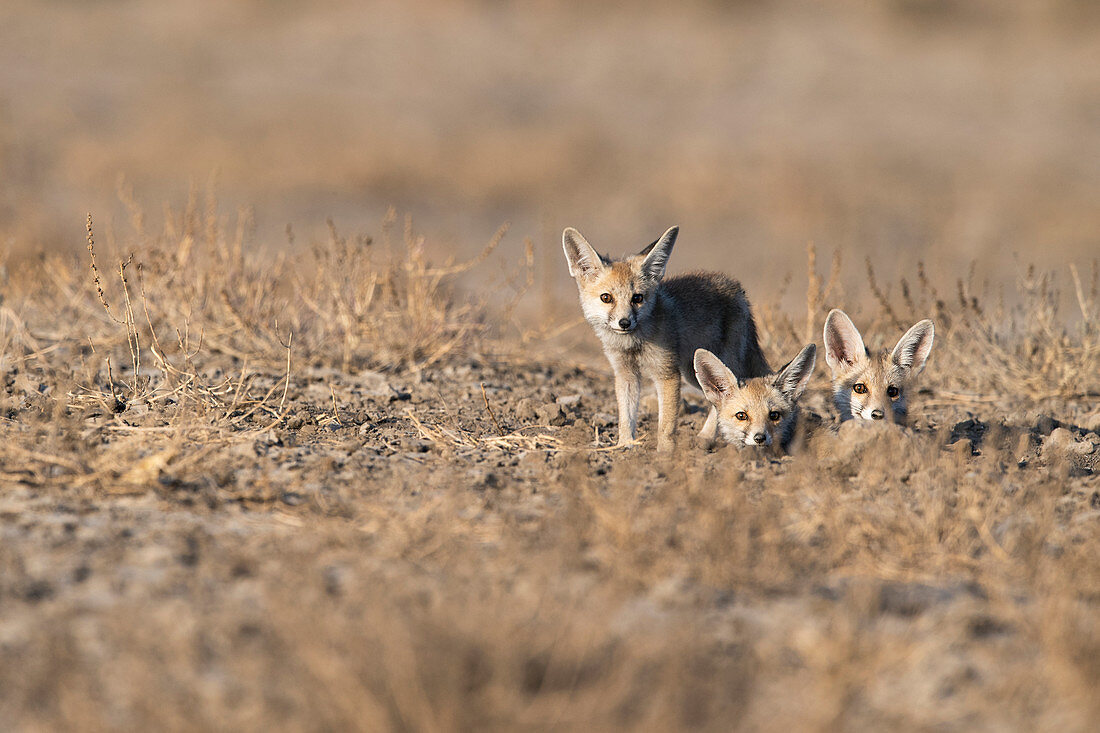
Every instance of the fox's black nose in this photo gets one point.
(624, 323)
(877, 414)
(760, 438)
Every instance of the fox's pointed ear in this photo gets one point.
(583, 260)
(793, 378)
(649, 247)
(914, 347)
(843, 344)
(715, 378)
(657, 254)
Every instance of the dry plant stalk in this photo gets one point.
(817, 294)
(485, 397)
(880, 296)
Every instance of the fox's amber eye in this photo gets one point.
(742, 415)
(638, 298)
(606, 297)
(774, 415)
(859, 388)
(893, 392)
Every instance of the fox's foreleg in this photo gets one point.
(628, 390)
(668, 410)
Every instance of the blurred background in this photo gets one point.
(905, 130)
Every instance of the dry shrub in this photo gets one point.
(1028, 349)
(386, 311)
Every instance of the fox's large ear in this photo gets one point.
(715, 378)
(657, 254)
(843, 344)
(583, 260)
(914, 347)
(793, 378)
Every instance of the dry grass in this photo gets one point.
(286, 513)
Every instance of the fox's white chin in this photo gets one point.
(631, 332)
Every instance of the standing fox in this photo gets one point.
(873, 387)
(762, 411)
(652, 325)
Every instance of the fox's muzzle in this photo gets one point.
(758, 438)
(626, 324)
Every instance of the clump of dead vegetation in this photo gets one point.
(389, 308)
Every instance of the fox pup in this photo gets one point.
(873, 386)
(761, 411)
(651, 325)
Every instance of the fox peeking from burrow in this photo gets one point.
(650, 326)
(759, 411)
(874, 386)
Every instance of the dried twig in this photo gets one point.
(489, 409)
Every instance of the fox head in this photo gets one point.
(761, 411)
(873, 386)
(617, 296)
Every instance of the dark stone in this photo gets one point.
(38, 590)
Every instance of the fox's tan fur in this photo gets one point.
(759, 411)
(657, 337)
(874, 386)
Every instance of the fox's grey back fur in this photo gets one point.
(719, 313)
